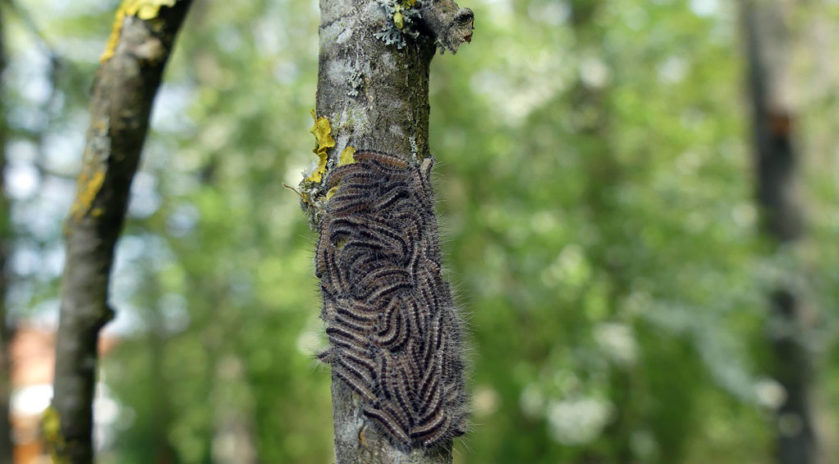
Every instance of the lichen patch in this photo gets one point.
(143, 9)
(323, 142)
(88, 186)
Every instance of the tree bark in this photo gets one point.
(125, 86)
(773, 124)
(6, 446)
(373, 91)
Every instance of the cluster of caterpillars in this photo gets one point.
(395, 337)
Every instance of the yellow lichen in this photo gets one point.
(88, 186)
(143, 9)
(51, 427)
(346, 156)
(323, 141)
(331, 192)
(398, 7)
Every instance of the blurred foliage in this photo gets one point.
(594, 185)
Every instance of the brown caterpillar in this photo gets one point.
(394, 333)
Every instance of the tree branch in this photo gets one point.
(31, 27)
(125, 86)
(449, 23)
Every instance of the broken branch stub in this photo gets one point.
(449, 23)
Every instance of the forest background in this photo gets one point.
(595, 184)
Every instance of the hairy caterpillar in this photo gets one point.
(395, 337)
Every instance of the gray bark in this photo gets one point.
(6, 447)
(773, 124)
(123, 94)
(375, 96)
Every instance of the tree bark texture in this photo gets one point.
(124, 90)
(773, 124)
(6, 447)
(373, 94)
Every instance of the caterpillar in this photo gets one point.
(394, 333)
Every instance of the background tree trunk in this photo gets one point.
(6, 446)
(374, 93)
(773, 123)
(593, 137)
(125, 87)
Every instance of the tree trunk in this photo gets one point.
(373, 96)
(163, 452)
(775, 157)
(125, 86)
(6, 447)
(593, 137)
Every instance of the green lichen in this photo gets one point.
(404, 15)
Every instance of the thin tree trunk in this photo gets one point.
(6, 447)
(604, 173)
(163, 452)
(775, 158)
(126, 84)
(232, 424)
(373, 95)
